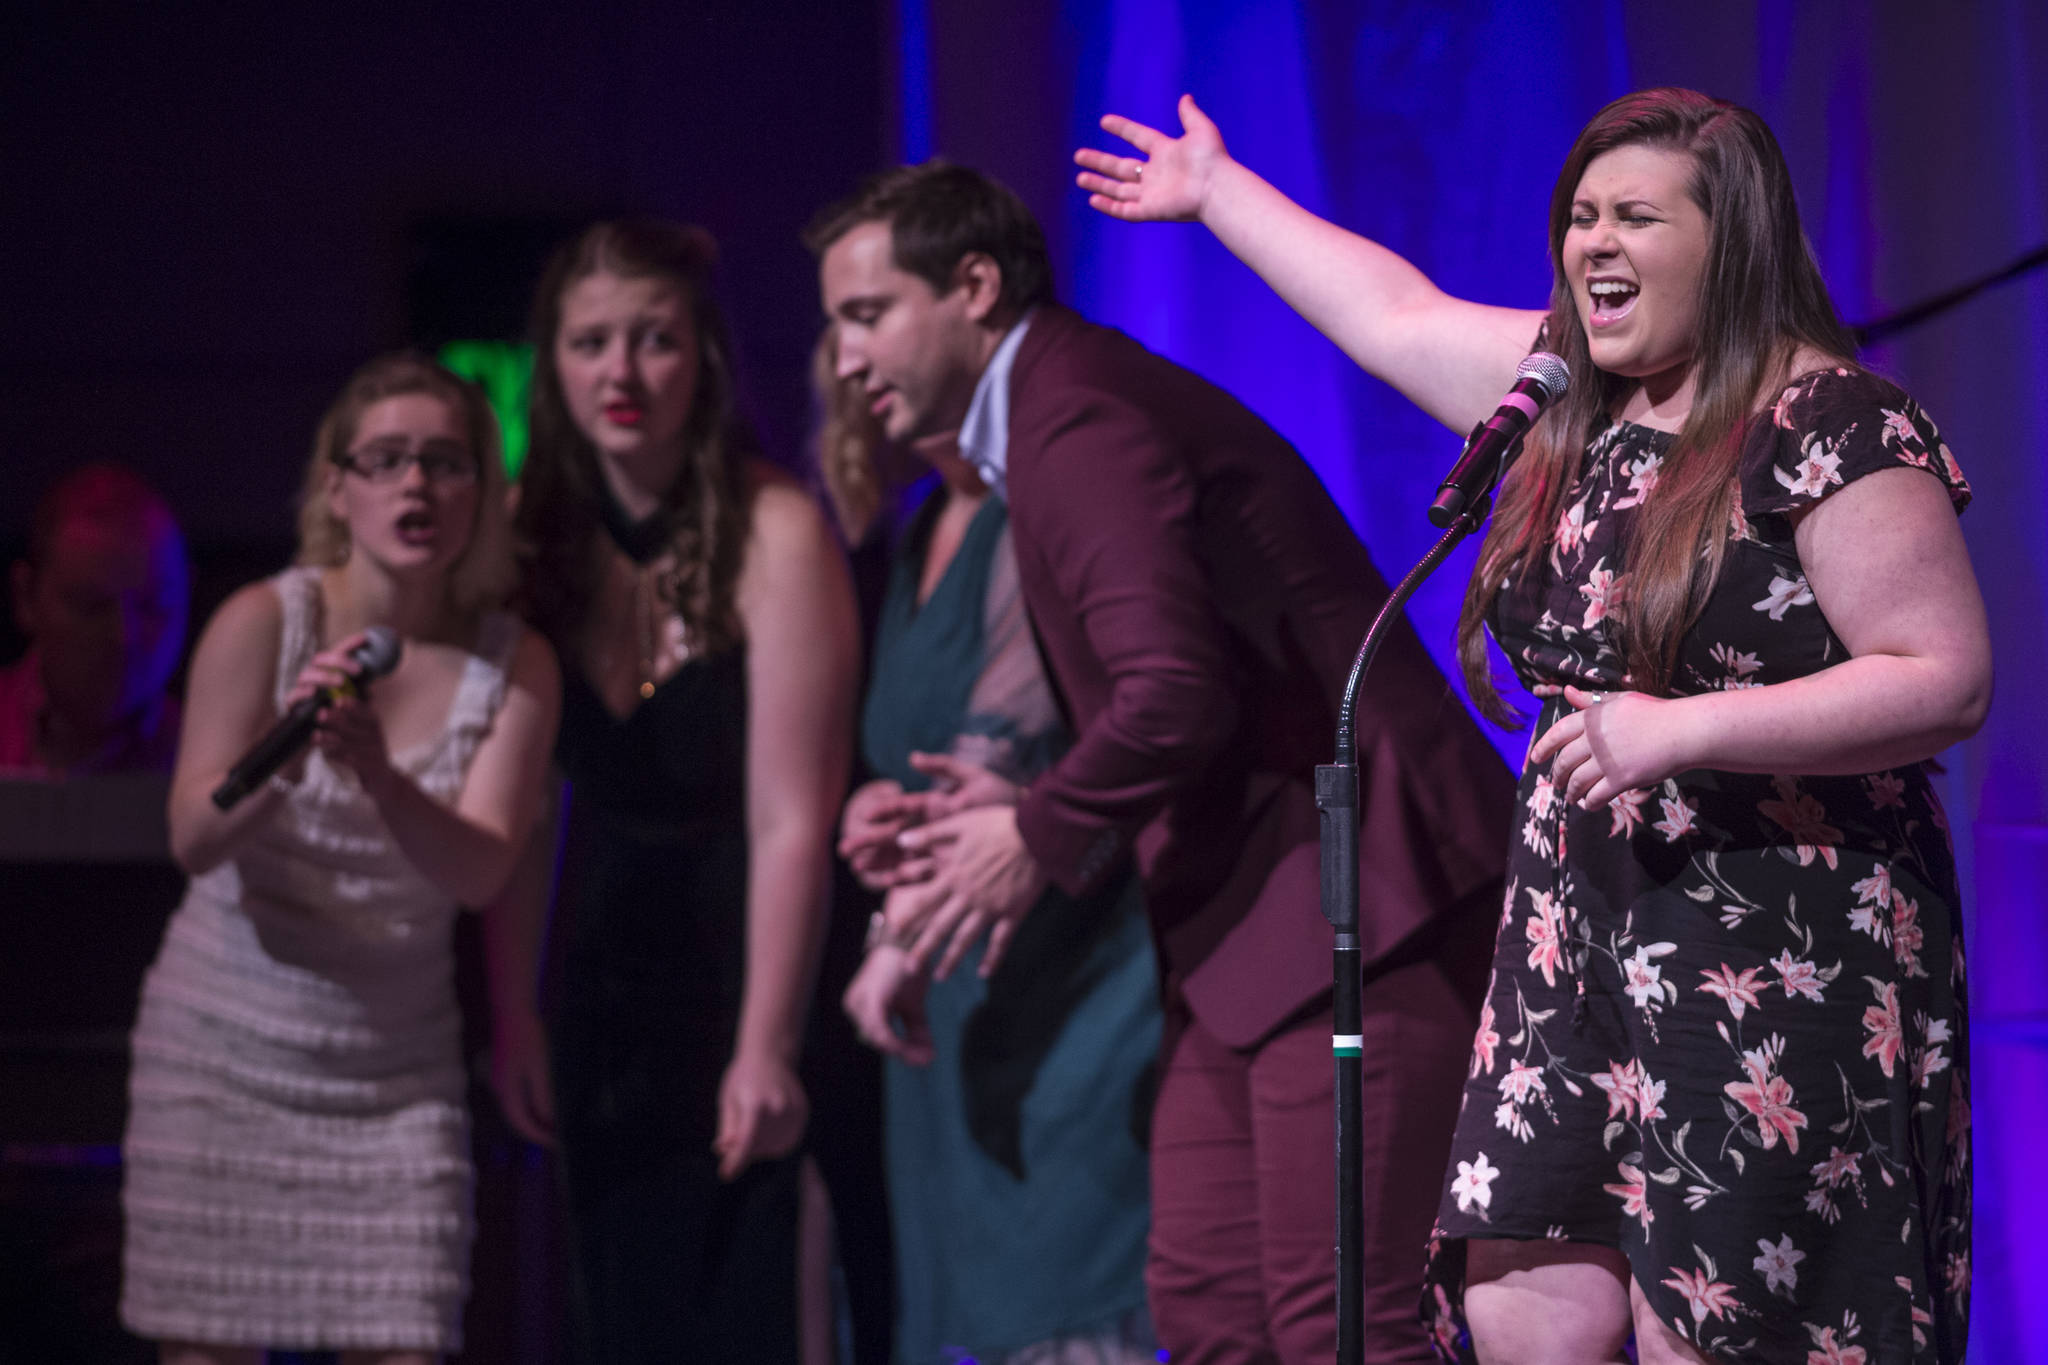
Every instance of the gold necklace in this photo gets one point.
(646, 624)
(644, 630)
(661, 640)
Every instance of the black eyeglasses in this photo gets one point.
(387, 464)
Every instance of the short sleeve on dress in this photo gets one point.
(1832, 427)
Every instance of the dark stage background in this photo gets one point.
(215, 212)
(210, 217)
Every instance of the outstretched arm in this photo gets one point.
(1450, 357)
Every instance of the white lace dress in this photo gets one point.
(297, 1168)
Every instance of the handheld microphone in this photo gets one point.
(376, 656)
(1540, 380)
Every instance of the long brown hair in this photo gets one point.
(705, 509)
(1761, 298)
(482, 575)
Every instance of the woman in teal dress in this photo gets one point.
(1015, 1104)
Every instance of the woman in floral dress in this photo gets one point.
(1717, 1097)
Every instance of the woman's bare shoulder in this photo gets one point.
(1809, 360)
(236, 660)
(783, 511)
(792, 556)
(251, 618)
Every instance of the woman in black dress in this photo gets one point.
(1718, 1095)
(702, 611)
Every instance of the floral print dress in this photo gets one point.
(1725, 1032)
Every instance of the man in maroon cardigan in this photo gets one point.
(1198, 599)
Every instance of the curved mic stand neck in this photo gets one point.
(1337, 800)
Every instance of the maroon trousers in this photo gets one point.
(1243, 1255)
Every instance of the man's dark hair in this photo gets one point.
(937, 213)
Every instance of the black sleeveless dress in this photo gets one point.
(668, 1262)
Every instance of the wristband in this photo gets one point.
(878, 934)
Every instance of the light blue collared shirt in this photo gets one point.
(985, 434)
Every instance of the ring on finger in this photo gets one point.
(1137, 170)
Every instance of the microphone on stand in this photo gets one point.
(1540, 380)
(376, 656)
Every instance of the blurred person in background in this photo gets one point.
(1198, 599)
(702, 609)
(102, 598)
(1015, 1105)
(296, 1163)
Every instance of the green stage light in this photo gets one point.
(505, 371)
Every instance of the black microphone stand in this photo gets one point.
(1337, 799)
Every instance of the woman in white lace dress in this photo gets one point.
(297, 1154)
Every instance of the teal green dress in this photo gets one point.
(1016, 1159)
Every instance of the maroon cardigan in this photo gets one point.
(1199, 599)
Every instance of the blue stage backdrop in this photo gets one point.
(1918, 136)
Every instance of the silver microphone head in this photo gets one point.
(1547, 370)
(378, 654)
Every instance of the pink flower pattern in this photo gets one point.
(1768, 1095)
(1484, 1042)
(1626, 812)
(1545, 931)
(1599, 592)
(1642, 480)
(1881, 1022)
(1705, 1295)
(1631, 1093)
(1633, 1191)
(1573, 528)
(1873, 898)
(1887, 791)
(1800, 978)
(1674, 975)
(1678, 816)
(1805, 819)
(1827, 1351)
(1738, 989)
(1819, 467)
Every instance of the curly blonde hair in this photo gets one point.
(847, 437)
(482, 576)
